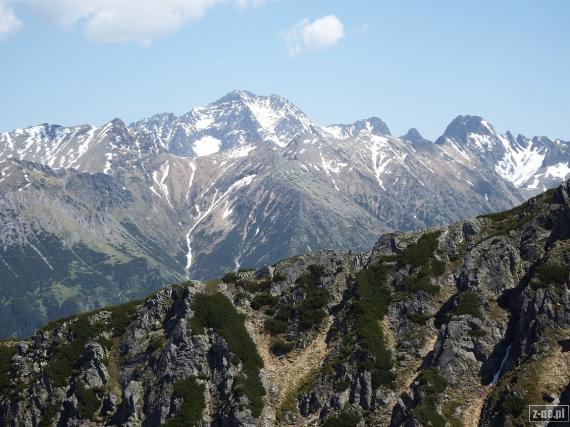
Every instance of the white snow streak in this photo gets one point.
(247, 180)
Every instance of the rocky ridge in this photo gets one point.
(463, 325)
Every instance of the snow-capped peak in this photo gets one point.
(369, 126)
(463, 126)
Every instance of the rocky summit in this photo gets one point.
(98, 215)
(463, 325)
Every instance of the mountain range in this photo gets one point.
(464, 325)
(98, 215)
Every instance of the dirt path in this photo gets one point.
(284, 376)
(475, 406)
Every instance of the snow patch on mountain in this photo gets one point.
(560, 171)
(520, 163)
(206, 145)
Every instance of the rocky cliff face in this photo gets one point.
(463, 325)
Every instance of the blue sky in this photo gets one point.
(412, 63)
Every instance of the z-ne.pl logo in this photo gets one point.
(550, 413)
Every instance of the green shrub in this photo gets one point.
(344, 419)
(514, 405)
(477, 333)
(421, 283)
(88, 401)
(431, 382)
(48, 414)
(193, 403)
(309, 317)
(315, 298)
(240, 297)
(230, 277)
(275, 326)
(430, 385)
(280, 347)
(278, 276)
(428, 416)
(285, 313)
(372, 300)
(437, 267)
(6, 354)
(553, 273)
(316, 270)
(311, 311)
(217, 312)
(313, 277)
(418, 318)
(340, 386)
(64, 357)
(262, 300)
(469, 303)
(420, 254)
(155, 343)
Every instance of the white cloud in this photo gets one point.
(249, 3)
(129, 20)
(321, 33)
(8, 20)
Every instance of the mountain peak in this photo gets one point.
(464, 125)
(371, 125)
(413, 135)
(117, 122)
(238, 94)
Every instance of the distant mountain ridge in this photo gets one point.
(244, 181)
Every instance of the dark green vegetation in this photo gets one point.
(217, 312)
(88, 402)
(230, 277)
(63, 358)
(514, 405)
(344, 419)
(420, 282)
(280, 347)
(469, 303)
(420, 256)
(419, 318)
(340, 386)
(311, 311)
(155, 343)
(430, 386)
(48, 416)
(262, 300)
(6, 354)
(552, 274)
(308, 314)
(275, 326)
(476, 333)
(193, 403)
(372, 300)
